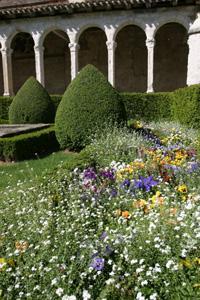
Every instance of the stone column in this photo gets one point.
(39, 63)
(150, 43)
(193, 71)
(7, 70)
(111, 46)
(74, 47)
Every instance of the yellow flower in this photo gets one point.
(186, 263)
(196, 285)
(182, 189)
(157, 199)
(140, 203)
(197, 261)
(3, 264)
(118, 212)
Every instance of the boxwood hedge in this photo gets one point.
(29, 145)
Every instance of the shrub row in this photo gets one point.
(148, 107)
(182, 105)
(30, 145)
(144, 106)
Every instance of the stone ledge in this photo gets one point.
(13, 130)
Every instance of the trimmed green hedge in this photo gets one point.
(186, 106)
(29, 145)
(148, 107)
(4, 106)
(182, 105)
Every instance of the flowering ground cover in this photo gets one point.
(125, 229)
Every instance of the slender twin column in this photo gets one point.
(111, 46)
(39, 63)
(74, 47)
(150, 43)
(7, 70)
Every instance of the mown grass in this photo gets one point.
(27, 171)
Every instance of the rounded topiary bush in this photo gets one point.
(32, 104)
(89, 103)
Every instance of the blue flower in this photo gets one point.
(145, 183)
(98, 263)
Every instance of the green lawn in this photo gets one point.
(27, 171)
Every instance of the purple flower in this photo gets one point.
(108, 174)
(113, 193)
(145, 183)
(89, 174)
(103, 235)
(98, 263)
(193, 166)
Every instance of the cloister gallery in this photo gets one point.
(140, 45)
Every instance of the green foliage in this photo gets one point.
(56, 99)
(186, 106)
(89, 102)
(4, 106)
(28, 145)
(114, 144)
(148, 107)
(32, 104)
(3, 121)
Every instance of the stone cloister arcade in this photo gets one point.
(137, 52)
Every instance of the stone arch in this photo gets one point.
(170, 57)
(57, 63)
(128, 23)
(131, 59)
(23, 59)
(93, 49)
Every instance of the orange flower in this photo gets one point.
(21, 246)
(125, 214)
(173, 211)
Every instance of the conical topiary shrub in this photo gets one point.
(89, 103)
(32, 104)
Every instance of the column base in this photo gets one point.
(8, 94)
(150, 90)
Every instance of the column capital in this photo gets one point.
(150, 42)
(6, 51)
(111, 45)
(74, 47)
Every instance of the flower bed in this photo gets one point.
(125, 231)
